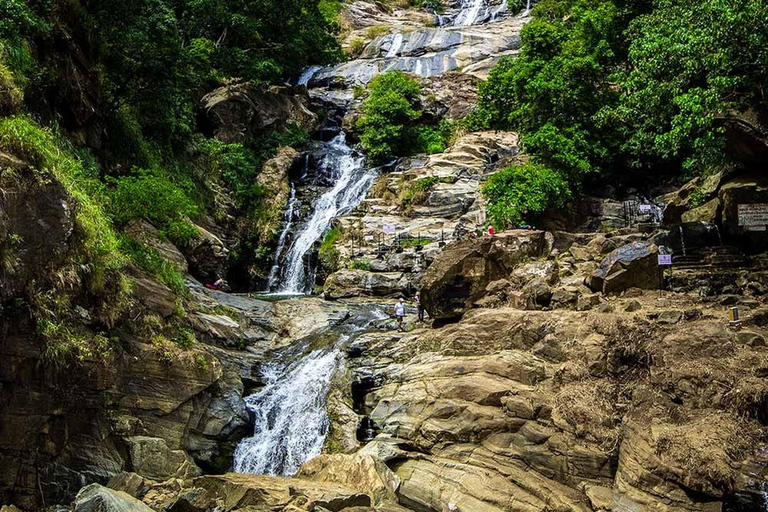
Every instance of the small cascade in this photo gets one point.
(394, 48)
(345, 167)
(682, 239)
(287, 223)
(527, 10)
(290, 420)
(470, 12)
(307, 75)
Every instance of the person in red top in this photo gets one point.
(491, 231)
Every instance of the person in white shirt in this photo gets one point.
(400, 313)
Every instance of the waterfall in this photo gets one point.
(290, 420)
(470, 10)
(288, 222)
(394, 47)
(527, 10)
(682, 238)
(352, 181)
(307, 75)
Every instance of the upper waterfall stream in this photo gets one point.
(346, 168)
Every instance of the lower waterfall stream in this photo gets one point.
(290, 421)
(289, 412)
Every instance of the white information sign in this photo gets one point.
(368, 238)
(389, 229)
(665, 259)
(645, 208)
(753, 214)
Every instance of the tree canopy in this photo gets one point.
(616, 89)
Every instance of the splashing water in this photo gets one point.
(290, 420)
(397, 43)
(352, 181)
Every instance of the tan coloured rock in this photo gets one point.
(460, 274)
(262, 493)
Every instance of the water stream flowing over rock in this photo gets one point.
(290, 421)
(345, 167)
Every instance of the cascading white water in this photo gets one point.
(307, 75)
(470, 11)
(352, 181)
(397, 43)
(290, 420)
(288, 220)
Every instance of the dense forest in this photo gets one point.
(624, 91)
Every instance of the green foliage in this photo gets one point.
(148, 259)
(360, 265)
(376, 31)
(690, 63)
(417, 191)
(99, 248)
(626, 90)
(329, 254)
(390, 121)
(355, 46)
(152, 196)
(517, 193)
(330, 9)
(11, 95)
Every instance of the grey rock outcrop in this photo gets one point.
(96, 498)
(633, 265)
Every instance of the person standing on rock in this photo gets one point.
(400, 313)
(419, 308)
(491, 231)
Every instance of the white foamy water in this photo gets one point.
(397, 43)
(290, 420)
(352, 179)
(470, 11)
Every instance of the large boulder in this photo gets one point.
(262, 493)
(152, 458)
(745, 189)
(632, 265)
(238, 112)
(36, 225)
(460, 274)
(273, 178)
(97, 498)
(353, 283)
(207, 255)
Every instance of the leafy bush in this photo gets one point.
(152, 196)
(148, 259)
(329, 254)
(356, 46)
(376, 31)
(360, 265)
(11, 95)
(517, 193)
(416, 191)
(389, 124)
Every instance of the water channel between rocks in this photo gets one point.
(289, 412)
